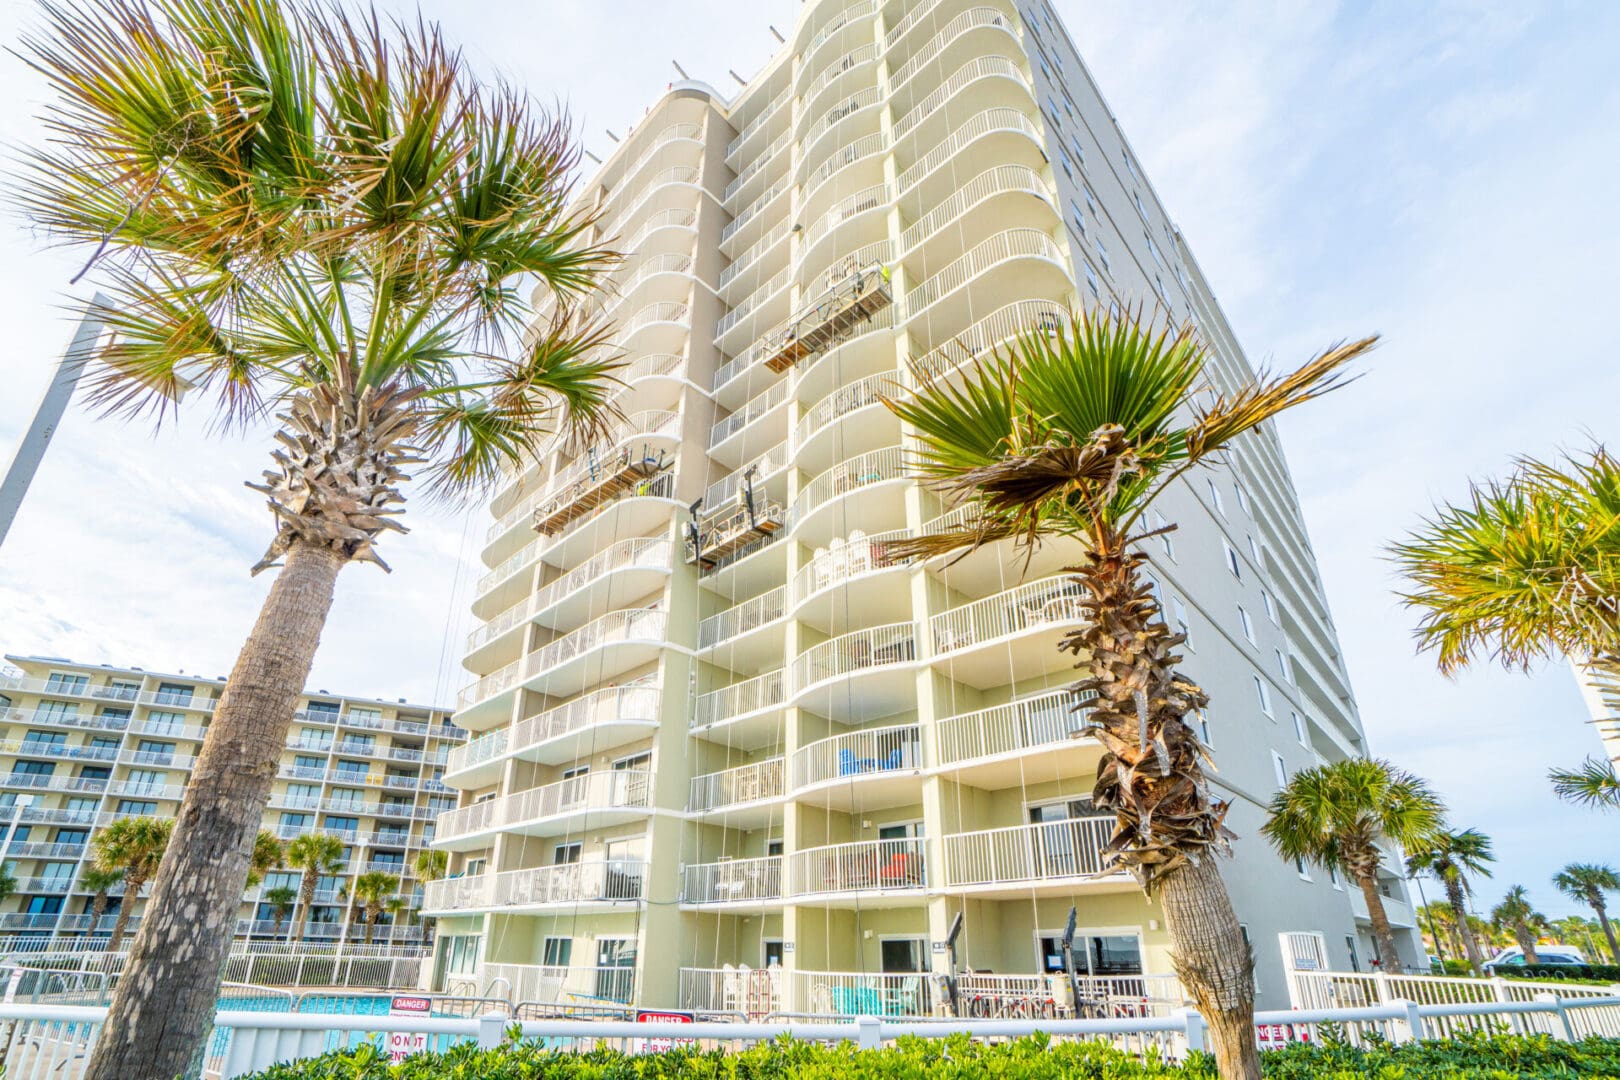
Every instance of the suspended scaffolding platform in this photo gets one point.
(729, 529)
(604, 482)
(853, 300)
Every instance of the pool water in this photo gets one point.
(321, 1004)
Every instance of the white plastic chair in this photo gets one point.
(859, 552)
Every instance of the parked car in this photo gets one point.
(1545, 954)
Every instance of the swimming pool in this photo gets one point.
(325, 1004)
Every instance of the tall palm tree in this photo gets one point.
(1593, 783)
(8, 882)
(281, 901)
(1339, 815)
(98, 883)
(1518, 916)
(1587, 882)
(1573, 928)
(1450, 857)
(327, 221)
(1440, 923)
(268, 854)
(430, 865)
(317, 855)
(134, 846)
(1071, 436)
(372, 892)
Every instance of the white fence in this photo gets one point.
(1354, 990)
(359, 966)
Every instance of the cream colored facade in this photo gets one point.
(82, 745)
(716, 726)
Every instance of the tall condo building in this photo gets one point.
(729, 752)
(83, 745)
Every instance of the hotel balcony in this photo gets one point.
(745, 188)
(747, 635)
(974, 643)
(866, 873)
(733, 884)
(851, 420)
(1398, 911)
(58, 751)
(563, 987)
(746, 715)
(829, 317)
(574, 887)
(727, 530)
(674, 133)
(975, 32)
(1003, 135)
(863, 675)
(759, 424)
(854, 166)
(746, 796)
(1031, 741)
(837, 74)
(767, 256)
(1057, 858)
(670, 231)
(821, 594)
(825, 509)
(643, 509)
(756, 219)
(868, 769)
(41, 782)
(84, 721)
(608, 718)
(846, 27)
(855, 222)
(1017, 264)
(589, 484)
(1001, 197)
(594, 800)
(997, 81)
(765, 306)
(771, 121)
(846, 120)
(32, 850)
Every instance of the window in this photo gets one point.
(154, 746)
(902, 956)
(1068, 166)
(39, 742)
(174, 694)
(297, 821)
(1232, 560)
(1300, 731)
(1264, 693)
(557, 951)
(566, 854)
(1162, 527)
(1215, 497)
(1243, 498)
(33, 768)
(322, 709)
(1248, 627)
(1136, 197)
(1350, 943)
(1091, 280)
(309, 761)
(1079, 217)
(774, 847)
(1282, 666)
(1091, 200)
(1270, 606)
(1254, 550)
(57, 711)
(123, 689)
(137, 807)
(1183, 627)
(342, 824)
(1079, 152)
(1130, 166)
(159, 722)
(1201, 717)
(1095, 954)
(94, 772)
(1333, 878)
(142, 779)
(59, 683)
(363, 717)
(351, 769)
(1102, 257)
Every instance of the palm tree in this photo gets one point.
(1450, 857)
(281, 901)
(317, 855)
(8, 882)
(327, 220)
(1339, 814)
(135, 846)
(98, 883)
(1440, 923)
(372, 892)
(430, 865)
(1592, 783)
(1516, 915)
(1573, 928)
(268, 854)
(1587, 882)
(1073, 434)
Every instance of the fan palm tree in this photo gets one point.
(1518, 916)
(268, 854)
(430, 865)
(281, 901)
(322, 220)
(1450, 857)
(317, 855)
(1339, 814)
(134, 846)
(1593, 783)
(1588, 882)
(1072, 435)
(1574, 929)
(373, 892)
(8, 882)
(98, 883)
(1440, 923)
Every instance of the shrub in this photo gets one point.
(1606, 973)
(1475, 1057)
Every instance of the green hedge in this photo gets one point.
(956, 1058)
(1607, 973)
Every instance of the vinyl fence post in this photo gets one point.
(868, 1032)
(1414, 1019)
(1197, 1031)
(492, 1030)
(1564, 1030)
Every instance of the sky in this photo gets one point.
(1440, 173)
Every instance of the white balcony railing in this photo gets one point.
(861, 99)
(969, 20)
(862, 148)
(731, 485)
(752, 410)
(636, 624)
(912, 19)
(980, 339)
(876, 646)
(613, 704)
(981, 67)
(752, 301)
(671, 262)
(861, 10)
(855, 754)
(849, 993)
(675, 174)
(733, 881)
(1012, 244)
(676, 217)
(764, 117)
(748, 615)
(872, 198)
(617, 789)
(760, 163)
(755, 208)
(469, 893)
(743, 784)
(1000, 118)
(836, 69)
(873, 467)
(739, 699)
(527, 555)
(862, 866)
(755, 250)
(672, 133)
(1054, 850)
(597, 881)
(643, 551)
(843, 401)
(562, 985)
(1046, 720)
(999, 180)
(1054, 601)
(845, 559)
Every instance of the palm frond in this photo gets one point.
(1230, 415)
(1593, 784)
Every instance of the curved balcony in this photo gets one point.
(745, 884)
(645, 508)
(922, 15)
(508, 580)
(652, 383)
(747, 715)
(835, 27)
(674, 267)
(867, 873)
(749, 225)
(499, 641)
(857, 115)
(609, 718)
(669, 230)
(771, 120)
(870, 204)
(768, 303)
(975, 32)
(983, 337)
(1001, 197)
(760, 423)
(851, 582)
(859, 676)
(1018, 264)
(824, 508)
(972, 644)
(748, 183)
(828, 269)
(658, 327)
(836, 72)
(595, 800)
(602, 885)
(1054, 858)
(687, 132)
(746, 796)
(618, 642)
(868, 350)
(766, 466)
(633, 567)
(861, 770)
(750, 265)
(997, 136)
(1030, 741)
(746, 636)
(839, 174)
(659, 193)
(851, 419)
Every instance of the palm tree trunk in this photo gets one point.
(1214, 963)
(1380, 923)
(1527, 941)
(306, 896)
(98, 908)
(172, 982)
(132, 885)
(371, 924)
(1454, 896)
(1608, 931)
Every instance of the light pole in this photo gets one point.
(17, 805)
(348, 905)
